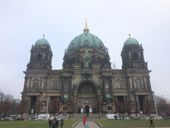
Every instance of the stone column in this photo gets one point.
(75, 102)
(27, 101)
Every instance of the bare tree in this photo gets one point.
(1, 102)
(22, 108)
(7, 107)
(163, 106)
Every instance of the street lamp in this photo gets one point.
(155, 103)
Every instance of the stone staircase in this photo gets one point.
(89, 116)
(89, 124)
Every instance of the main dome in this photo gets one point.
(86, 40)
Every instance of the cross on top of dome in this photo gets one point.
(86, 27)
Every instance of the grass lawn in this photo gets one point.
(69, 123)
(132, 123)
(32, 124)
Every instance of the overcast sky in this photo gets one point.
(23, 22)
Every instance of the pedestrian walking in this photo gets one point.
(49, 123)
(86, 126)
(151, 122)
(84, 120)
(57, 123)
(61, 122)
(54, 122)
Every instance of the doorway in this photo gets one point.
(87, 109)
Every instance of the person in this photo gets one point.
(54, 123)
(57, 123)
(49, 122)
(115, 116)
(86, 126)
(61, 122)
(151, 123)
(84, 120)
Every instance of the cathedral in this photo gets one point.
(87, 83)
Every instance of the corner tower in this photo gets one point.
(140, 95)
(36, 77)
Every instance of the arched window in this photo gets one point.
(55, 84)
(36, 84)
(86, 88)
(129, 55)
(135, 56)
(119, 83)
(39, 57)
(139, 83)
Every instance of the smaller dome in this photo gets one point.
(131, 41)
(42, 41)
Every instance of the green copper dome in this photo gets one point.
(41, 42)
(86, 39)
(131, 41)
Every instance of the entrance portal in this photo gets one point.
(87, 97)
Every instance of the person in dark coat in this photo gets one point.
(61, 122)
(54, 121)
(49, 122)
(57, 123)
(151, 122)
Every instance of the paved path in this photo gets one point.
(90, 124)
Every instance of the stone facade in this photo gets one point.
(87, 83)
